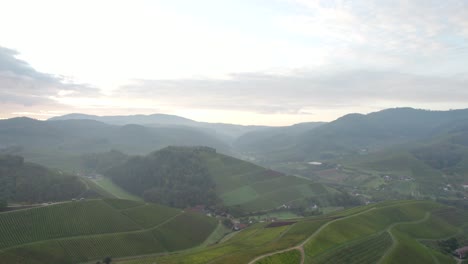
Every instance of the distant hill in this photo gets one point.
(272, 139)
(162, 119)
(356, 134)
(27, 182)
(60, 143)
(225, 132)
(90, 230)
(437, 165)
(186, 176)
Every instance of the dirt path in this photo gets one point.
(300, 247)
(394, 240)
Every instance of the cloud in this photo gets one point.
(21, 84)
(407, 30)
(303, 91)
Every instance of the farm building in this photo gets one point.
(461, 253)
(238, 227)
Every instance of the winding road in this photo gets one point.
(300, 247)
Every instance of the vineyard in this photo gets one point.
(184, 231)
(150, 215)
(289, 257)
(123, 204)
(85, 230)
(368, 234)
(367, 223)
(61, 220)
(368, 250)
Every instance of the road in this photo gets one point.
(300, 247)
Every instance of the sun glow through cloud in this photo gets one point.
(266, 62)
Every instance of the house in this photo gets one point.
(461, 253)
(237, 227)
(465, 185)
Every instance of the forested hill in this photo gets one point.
(357, 134)
(27, 182)
(226, 132)
(59, 143)
(172, 176)
(187, 176)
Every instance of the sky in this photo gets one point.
(265, 62)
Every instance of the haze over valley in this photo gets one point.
(258, 132)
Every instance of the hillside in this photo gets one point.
(81, 231)
(60, 143)
(23, 182)
(183, 176)
(357, 134)
(226, 132)
(436, 167)
(391, 232)
(260, 141)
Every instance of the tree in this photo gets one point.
(107, 260)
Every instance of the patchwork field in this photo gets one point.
(80, 231)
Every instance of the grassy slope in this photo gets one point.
(407, 223)
(290, 257)
(115, 190)
(81, 231)
(388, 231)
(244, 246)
(253, 188)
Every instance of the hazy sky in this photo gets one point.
(274, 62)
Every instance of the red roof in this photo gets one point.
(462, 250)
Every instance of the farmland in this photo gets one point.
(366, 234)
(85, 230)
(249, 187)
(82, 231)
(289, 257)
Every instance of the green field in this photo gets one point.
(367, 250)
(245, 245)
(388, 232)
(84, 231)
(289, 257)
(81, 231)
(251, 188)
(115, 190)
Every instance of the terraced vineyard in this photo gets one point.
(144, 215)
(369, 234)
(289, 257)
(367, 250)
(75, 232)
(249, 187)
(61, 220)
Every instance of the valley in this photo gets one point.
(184, 192)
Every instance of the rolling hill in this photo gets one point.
(24, 182)
(357, 134)
(60, 143)
(225, 132)
(260, 141)
(187, 176)
(390, 232)
(81, 231)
